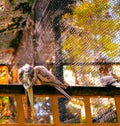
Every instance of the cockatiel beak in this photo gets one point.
(28, 87)
(26, 80)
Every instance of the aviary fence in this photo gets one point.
(86, 50)
(89, 106)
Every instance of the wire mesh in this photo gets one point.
(103, 110)
(90, 41)
(72, 111)
(42, 111)
(84, 49)
(90, 44)
(8, 108)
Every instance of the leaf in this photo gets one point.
(5, 99)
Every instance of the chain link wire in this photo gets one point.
(90, 42)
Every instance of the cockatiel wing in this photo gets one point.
(45, 76)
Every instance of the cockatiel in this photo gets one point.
(26, 77)
(29, 75)
(110, 81)
(46, 77)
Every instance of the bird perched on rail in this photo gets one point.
(26, 77)
(29, 76)
(110, 80)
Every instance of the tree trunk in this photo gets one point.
(39, 39)
(37, 44)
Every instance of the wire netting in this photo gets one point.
(84, 51)
(90, 42)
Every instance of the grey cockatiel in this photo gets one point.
(110, 81)
(46, 77)
(26, 77)
(29, 75)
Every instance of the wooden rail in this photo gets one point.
(86, 93)
(73, 91)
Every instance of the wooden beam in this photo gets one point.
(90, 63)
(73, 91)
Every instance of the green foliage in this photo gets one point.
(94, 19)
(24, 7)
(17, 19)
(5, 99)
(15, 42)
(13, 19)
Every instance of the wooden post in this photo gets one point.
(117, 102)
(20, 111)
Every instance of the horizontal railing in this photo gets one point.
(86, 93)
(73, 90)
